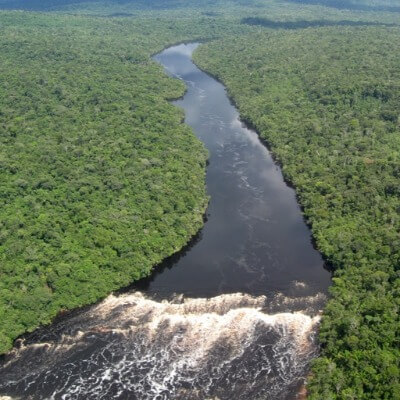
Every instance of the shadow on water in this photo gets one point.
(302, 24)
(54, 331)
(145, 283)
(240, 303)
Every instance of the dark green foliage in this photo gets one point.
(99, 178)
(302, 24)
(328, 102)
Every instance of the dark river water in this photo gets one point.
(233, 316)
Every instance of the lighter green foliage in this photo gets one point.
(327, 101)
(99, 178)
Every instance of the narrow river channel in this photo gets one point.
(233, 316)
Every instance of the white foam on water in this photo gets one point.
(132, 346)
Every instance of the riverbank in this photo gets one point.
(245, 296)
(334, 137)
(101, 180)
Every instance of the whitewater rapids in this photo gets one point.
(133, 347)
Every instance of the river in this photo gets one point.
(233, 316)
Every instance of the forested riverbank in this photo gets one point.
(326, 100)
(100, 180)
(233, 316)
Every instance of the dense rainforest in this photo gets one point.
(327, 101)
(100, 180)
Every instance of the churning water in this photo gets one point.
(133, 347)
(233, 317)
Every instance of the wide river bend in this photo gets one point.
(234, 316)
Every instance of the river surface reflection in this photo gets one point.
(233, 316)
(255, 240)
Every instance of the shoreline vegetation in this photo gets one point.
(95, 164)
(101, 180)
(321, 100)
